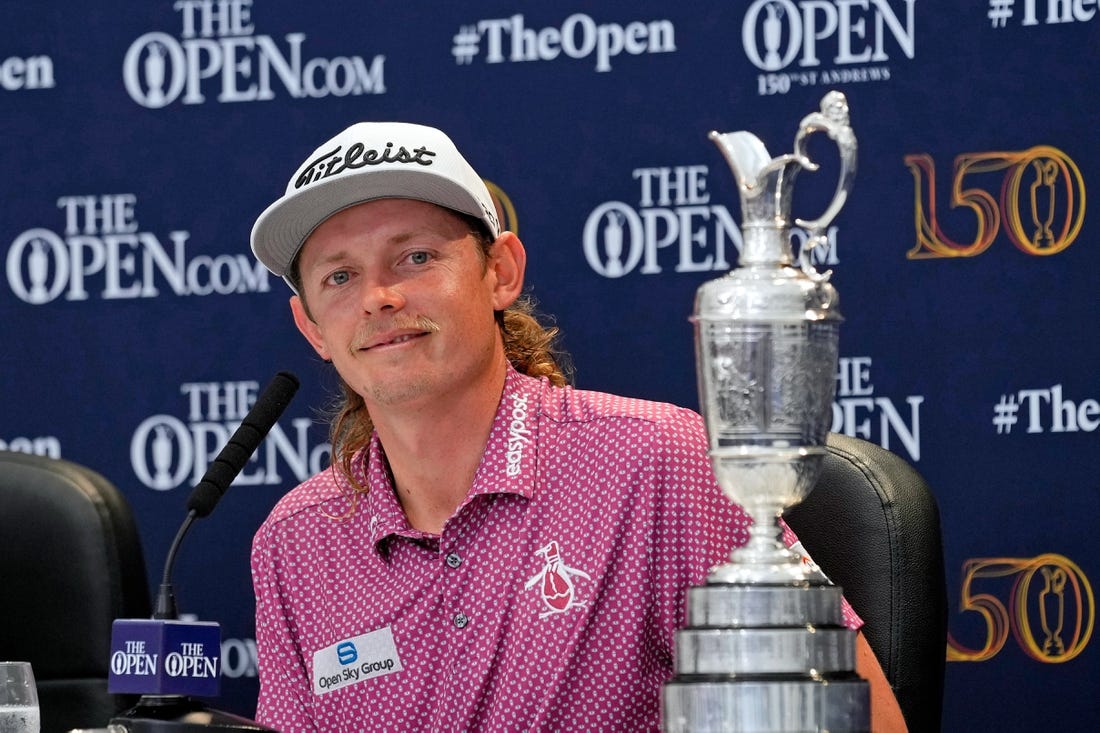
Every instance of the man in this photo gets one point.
(491, 550)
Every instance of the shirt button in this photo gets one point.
(460, 620)
(454, 560)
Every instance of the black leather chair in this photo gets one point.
(70, 563)
(873, 527)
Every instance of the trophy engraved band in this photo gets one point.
(765, 648)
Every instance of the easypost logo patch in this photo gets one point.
(519, 435)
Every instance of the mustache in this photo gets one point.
(368, 333)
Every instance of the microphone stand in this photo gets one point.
(181, 713)
(177, 713)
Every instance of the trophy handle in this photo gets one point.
(833, 120)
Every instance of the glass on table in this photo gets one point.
(18, 699)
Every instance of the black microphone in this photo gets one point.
(167, 660)
(255, 426)
(230, 461)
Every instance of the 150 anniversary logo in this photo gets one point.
(1035, 196)
(1045, 602)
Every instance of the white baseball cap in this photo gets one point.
(368, 161)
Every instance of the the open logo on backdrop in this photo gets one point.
(218, 52)
(673, 225)
(103, 253)
(812, 43)
(167, 451)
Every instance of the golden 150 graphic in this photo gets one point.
(1040, 204)
(1037, 198)
(1045, 602)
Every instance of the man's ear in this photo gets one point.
(308, 328)
(508, 261)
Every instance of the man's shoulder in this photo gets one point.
(566, 404)
(322, 490)
(647, 425)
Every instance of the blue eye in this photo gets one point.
(339, 277)
(419, 258)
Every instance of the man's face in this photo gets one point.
(402, 301)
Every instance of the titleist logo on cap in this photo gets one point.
(357, 156)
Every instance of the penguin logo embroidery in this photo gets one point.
(555, 582)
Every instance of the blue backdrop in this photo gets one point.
(139, 141)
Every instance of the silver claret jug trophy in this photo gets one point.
(765, 648)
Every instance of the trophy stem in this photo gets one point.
(765, 558)
(765, 544)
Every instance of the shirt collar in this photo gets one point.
(508, 464)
